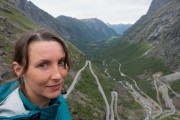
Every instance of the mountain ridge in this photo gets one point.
(92, 29)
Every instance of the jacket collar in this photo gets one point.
(47, 112)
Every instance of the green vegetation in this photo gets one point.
(172, 117)
(77, 58)
(85, 112)
(13, 22)
(131, 104)
(107, 85)
(175, 86)
(77, 61)
(89, 86)
(90, 104)
(86, 101)
(134, 63)
(19, 21)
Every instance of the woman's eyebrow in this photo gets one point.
(62, 58)
(42, 61)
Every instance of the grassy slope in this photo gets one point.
(134, 63)
(86, 102)
(77, 61)
(175, 86)
(90, 105)
(13, 22)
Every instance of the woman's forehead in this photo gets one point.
(45, 49)
(45, 45)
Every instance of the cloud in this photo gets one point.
(111, 11)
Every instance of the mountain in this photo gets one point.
(87, 29)
(152, 44)
(160, 28)
(86, 33)
(82, 104)
(126, 66)
(76, 31)
(148, 56)
(120, 28)
(40, 17)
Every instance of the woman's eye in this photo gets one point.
(43, 65)
(61, 62)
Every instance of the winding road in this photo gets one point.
(148, 103)
(98, 83)
(101, 91)
(114, 97)
(74, 81)
(152, 108)
(163, 88)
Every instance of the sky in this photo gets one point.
(109, 11)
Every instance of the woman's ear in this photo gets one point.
(17, 68)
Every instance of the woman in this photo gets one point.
(41, 64)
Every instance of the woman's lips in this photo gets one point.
(54, 87)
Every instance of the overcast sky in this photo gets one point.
(109, 11)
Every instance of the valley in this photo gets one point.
(135, 76)
(153, 109)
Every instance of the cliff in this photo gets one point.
(159, 27)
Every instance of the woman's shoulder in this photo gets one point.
(63, 111)
(61, 98)
(8, 106)
(7, 88)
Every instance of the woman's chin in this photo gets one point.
(54, 95)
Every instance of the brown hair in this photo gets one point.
(21, 51)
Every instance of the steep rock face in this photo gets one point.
(160, 27)
(156, 4)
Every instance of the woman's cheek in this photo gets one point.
(65, 73)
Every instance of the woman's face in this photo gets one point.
(46, 72)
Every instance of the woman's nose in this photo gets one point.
(56, 74)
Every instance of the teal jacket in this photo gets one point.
(15, 106)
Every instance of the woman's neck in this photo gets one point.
(39, 101)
